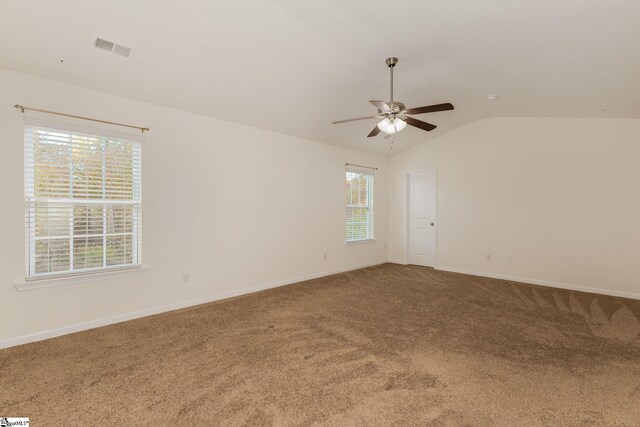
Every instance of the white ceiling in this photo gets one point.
(295, 66)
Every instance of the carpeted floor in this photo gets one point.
(386, 345)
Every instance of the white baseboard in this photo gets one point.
(398, 261)
(52, 333)
(552, 284)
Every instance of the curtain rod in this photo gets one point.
(360, 166)
(23, 108)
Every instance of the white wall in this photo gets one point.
(560, 196)
(236, 207)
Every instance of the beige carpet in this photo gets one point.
(386, 345)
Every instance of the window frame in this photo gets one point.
(370, 206)
(31, 201)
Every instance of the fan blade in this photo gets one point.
(430, 108)
(419, 124)
(382, 106)
(353, 120)
(374, 132)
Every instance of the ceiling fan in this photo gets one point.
(395, 116)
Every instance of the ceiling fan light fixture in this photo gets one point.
(391, 126)
(387, 126)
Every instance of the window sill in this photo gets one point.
(73, 279)
(359, 242)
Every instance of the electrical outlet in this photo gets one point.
(185, 278)
(509, 260)
(488, 257)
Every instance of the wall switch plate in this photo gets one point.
(185, 278)
(509, 260)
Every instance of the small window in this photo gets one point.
(83, 198)
(359, 194)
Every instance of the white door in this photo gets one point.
(421, 218)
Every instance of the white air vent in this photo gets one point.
(112, 47)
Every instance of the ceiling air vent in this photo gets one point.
(112, 47)
(104, 44)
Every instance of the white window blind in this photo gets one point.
(83, 196)
(359, 193)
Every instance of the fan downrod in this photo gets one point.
(391, 62)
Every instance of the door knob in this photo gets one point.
(432, 224)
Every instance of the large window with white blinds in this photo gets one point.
(359, 193)
(83, 196)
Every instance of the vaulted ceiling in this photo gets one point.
(295, 66)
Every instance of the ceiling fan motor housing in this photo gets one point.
(397, 107)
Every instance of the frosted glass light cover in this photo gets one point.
(384, 125)
(387, 126)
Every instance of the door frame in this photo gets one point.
(407, 208)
